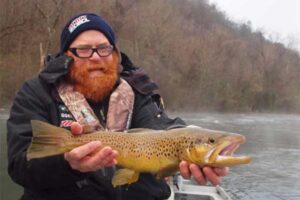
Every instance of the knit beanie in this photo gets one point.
(81, 23)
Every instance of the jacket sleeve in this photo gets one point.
(148, 113)
(52, 172)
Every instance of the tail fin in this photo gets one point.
(48, 140)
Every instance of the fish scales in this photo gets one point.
(138, 148)
(144, 150)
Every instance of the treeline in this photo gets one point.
(201, 60)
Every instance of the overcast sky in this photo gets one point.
(279, 19)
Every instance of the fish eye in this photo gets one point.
(211, 140)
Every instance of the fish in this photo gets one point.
(158, 152)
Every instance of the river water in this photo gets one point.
(273, 141)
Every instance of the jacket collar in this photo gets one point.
(57, 66)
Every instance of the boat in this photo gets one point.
(182, 189)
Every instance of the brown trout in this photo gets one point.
(144, 150)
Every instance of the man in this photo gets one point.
(88, 86)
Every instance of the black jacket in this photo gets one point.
(52, 178)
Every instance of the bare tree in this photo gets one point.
(51, 18)
(189, 47)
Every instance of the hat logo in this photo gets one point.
(77, 22)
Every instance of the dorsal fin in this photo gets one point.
(140, 130)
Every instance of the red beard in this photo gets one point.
(95, 88)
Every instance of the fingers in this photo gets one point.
(85, 159)
(221, 171)
(187, 171)
(91, 156)
(104, 158)
(184, 170)
(212, 176)
(84, 150)
(76, 128)
(202, 175)
(198, 174)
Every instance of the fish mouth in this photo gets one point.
(223, 154)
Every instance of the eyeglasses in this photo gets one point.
(84, 52)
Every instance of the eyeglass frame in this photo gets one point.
(96, 49)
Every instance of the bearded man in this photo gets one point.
(88, 86)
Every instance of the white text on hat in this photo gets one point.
(77, 22)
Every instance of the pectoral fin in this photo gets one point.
(125, 176)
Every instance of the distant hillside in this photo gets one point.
(201, 60)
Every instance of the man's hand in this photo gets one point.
(87, 158)
(202, 175)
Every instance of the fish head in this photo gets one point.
(206, 147)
